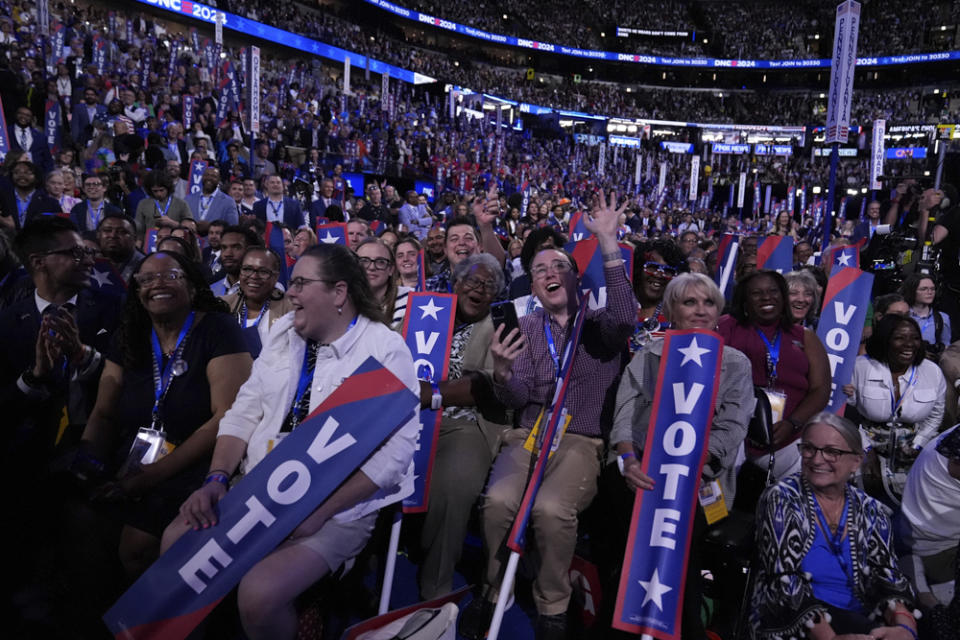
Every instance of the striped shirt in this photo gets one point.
(601, 355)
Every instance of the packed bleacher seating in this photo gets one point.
(179, 296)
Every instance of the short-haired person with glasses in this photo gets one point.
(259, 303)
(526, 370)
(94, 208)
(334, 327)
(472, 424)
(176, 365)
(826, 565)
(380, 267)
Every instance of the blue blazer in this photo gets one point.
(81, 126)
(79, 214)
(292, 214)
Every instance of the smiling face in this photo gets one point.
(764, 300)
(801, 301)
(475, 292)
(377, 263)
(407, 259)
(553, 280)
(163, 297)
(258, 276)
(461, 243)
(905, 343)
(820, 473)
(315, 303)
(653, 280)
(695, 309)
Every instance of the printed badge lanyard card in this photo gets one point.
(151, 442)
(895, 411)
(534, 441)
(778, 399)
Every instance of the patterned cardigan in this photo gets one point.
(783, 604)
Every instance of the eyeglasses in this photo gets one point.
(471, 283)
(299, 282)
(657, 270)
(90, 184)
(78, 253)
(830, 454)
(559, 267)
(380, 264)
(261, 272)
(147, 279)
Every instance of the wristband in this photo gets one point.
(912, 632)
(622, 460)
(222, 478)
(613, 255)
(436, 400)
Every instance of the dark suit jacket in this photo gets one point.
(39, 152)
(81, 127)
(40, 203)
(79, 214)
(292, 215)
(31, 424)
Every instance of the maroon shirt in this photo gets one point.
(600, 358)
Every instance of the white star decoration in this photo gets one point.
(329, 238)
(844, 259)
(430, 309)
(692, 353)
(654, 590)
(102, 278)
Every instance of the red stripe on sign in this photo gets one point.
(378, 382)
(838, 282)
(170, 629)
(186, 7)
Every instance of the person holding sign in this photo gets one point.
(825, 549)
(788, 361)
(527, 364)
(334, 328)
(690, 301)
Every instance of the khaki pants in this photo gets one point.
(569, 485)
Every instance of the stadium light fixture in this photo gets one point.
(504, 16)
(603, 35)
(926, 174)
(816, 36)
(851, 192)
(816, 189)
(863, 190)
(943, 27)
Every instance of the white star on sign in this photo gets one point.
(692, 353)
(102, 278)
(654, 590)
(329, 238)
(430, 309)
(844, 259)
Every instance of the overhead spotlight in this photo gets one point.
(863, 190)
(603, 35)
(816, 36)
(817, 189)
(504, 16)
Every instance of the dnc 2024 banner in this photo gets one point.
(185, 584)
(650, 596)
(427, 330)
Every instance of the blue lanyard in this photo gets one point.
(95, 215)
(162, 379)
(550, 344)
(276, 207)
(835, 540)
(894, 407)
(306, 376)
(22, 206)
(205, 205)
(243, 314)
(156, 203)
(773, 353)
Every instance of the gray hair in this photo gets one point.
(805, 279)
(485, 259)
(679, 286)
(849, 431)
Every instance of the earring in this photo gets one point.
(340, 310)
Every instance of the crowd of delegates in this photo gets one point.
(211, 310)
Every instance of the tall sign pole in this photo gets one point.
(253, 99)
(842, 68)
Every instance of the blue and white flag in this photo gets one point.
(106, 279)
(188, 581)
(51, 126)
(650, 596)
(332, 233)
(197, 167)
(428, 330)
(840, 327)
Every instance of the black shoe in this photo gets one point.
(551, 627)
(475, 619)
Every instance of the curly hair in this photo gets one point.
(133, 334)
(878, 344)
(738, 306)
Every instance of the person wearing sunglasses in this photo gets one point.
(825, 561)
(789, 362)
(655, 264)
(380, 267)
(259, 303)
(335, 327)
